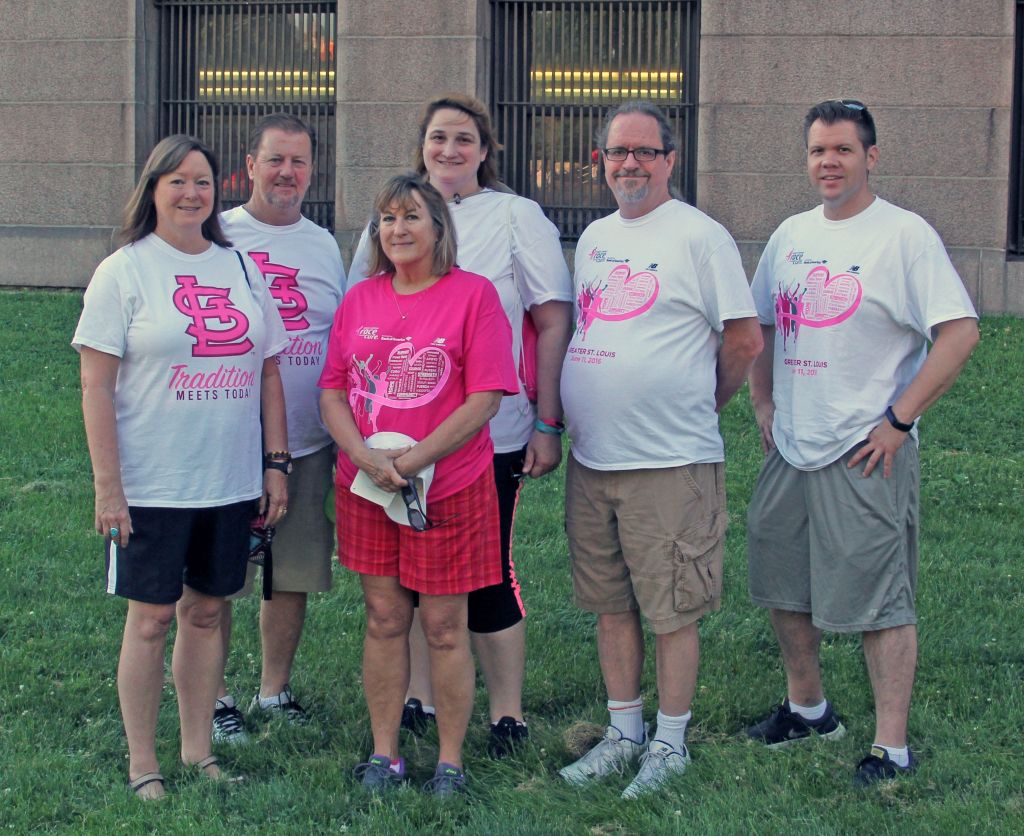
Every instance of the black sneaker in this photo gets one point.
(228, 724)
(506, 735)
(415, 719)
(782, 727)
(878, 766)
(284, 705)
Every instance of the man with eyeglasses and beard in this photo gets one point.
(848, 294)
(665, 335)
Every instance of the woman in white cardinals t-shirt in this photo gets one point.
(177, 339)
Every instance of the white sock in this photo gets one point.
(227, 701)
(672, 730)
(429, 709)
(809, 712)
(276, 700)
(628, 718)
(900, 757)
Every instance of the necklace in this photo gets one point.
(419, 293)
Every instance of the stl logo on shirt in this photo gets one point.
(824, 300)
(218, 327)
(284, 287)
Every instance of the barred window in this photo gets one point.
(558, 67)
(1015, 236)
(223, 66)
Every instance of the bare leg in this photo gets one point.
(678, 657)
(281, 620)
(502, 657)
(386, 658)
(198, 667)
(620, 648)
(451, 664)
(799, 641)
(419, 663)
(891, 657)
(226, 620)
(140, 679)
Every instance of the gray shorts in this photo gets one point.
(651, 540)
(304, 542)
(836, 545)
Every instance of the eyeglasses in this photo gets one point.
(417, 516)
(641, 155)
(852, 104)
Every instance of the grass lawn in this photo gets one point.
(62, 753)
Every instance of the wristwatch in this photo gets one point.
(278, 460)
(896, 422)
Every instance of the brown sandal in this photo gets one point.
(200, 767)
(144, 781)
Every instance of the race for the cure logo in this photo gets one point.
(218, 327)
(284, 287)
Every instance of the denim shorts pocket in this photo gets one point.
(698, 564)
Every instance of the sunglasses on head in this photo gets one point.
(852, 104)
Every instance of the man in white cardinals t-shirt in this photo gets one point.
(665, 335)
(848, 294)
(302, 267)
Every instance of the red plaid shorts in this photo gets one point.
(461, 554)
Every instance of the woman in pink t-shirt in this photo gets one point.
(424, 349)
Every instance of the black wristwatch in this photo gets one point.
(278, 461)
(896, 422)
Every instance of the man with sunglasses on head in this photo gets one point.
(665, 335)
(848, 294)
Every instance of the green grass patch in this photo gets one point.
(62, 752)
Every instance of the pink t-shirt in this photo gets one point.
(407, 374)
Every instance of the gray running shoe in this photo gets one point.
(284, 705)
(659, 763)
(448, 780)
(228, 724)
(610, 755)
(376, 775)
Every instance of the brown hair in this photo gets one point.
(399, 189)
(287, 122)
(487, 174)
(140, 212)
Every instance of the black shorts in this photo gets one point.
(205, 548)
(499, 607)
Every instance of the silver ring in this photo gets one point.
(115, 532)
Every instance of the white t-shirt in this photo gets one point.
(302, 267)
(853, 303)
(192, 335)
(652, 295)
(508, 239)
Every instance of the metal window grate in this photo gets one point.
(1015, 236)
(558, 67)
(224, 65)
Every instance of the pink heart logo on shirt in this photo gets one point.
(415, 377)
(822, 301)
(828, 300)
(623, 295)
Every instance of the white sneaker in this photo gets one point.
(610, 755)
(659, 763)
(228, 724)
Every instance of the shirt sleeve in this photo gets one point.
(539, 267)
(360, 267)
(935, 291)
(107, 309)
(487, 341)
(277, 336)
(335, 373)
(761, 286)
(723, 284)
